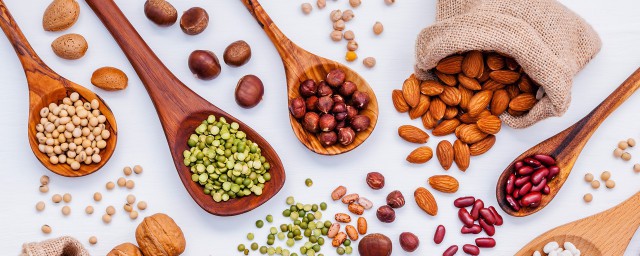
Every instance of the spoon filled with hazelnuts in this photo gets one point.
(332, 108)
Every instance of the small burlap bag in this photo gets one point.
(63, 246)
(549, 41)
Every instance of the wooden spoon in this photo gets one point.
(301, 65)
(606, 233)
(45, 87)
(566, 146)
(181, 110)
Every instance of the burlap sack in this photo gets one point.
(63, 246)
(549, 41)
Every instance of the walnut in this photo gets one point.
(160, 235)
(126, 249)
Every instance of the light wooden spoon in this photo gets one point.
(301, 65)
(606, 233)
(45, 87)
(566, 146)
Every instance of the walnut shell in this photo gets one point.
(159, 235)
(126, 249)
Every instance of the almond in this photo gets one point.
(499, 102)
(461, 155)
(513, 91)
(482, 146)
(490, 124)
(449, 80)
(469, 83)
(413, 134)
(398, 101)
(428, 121)
(411, 91)
(431, 88)
(450, 113)
(466, 118)
(451, 96)
(491, 85)
(444, 183)
(479, 102)
(471, 134)
(505, 76)
(515, 113)
(420, 155)
(450, 65)
(109, 79)
(485, 75)
(472, 64)
(423, 107)
(525, 85)
(426, 201)
(495, 62)
(465, 97)
(511, 63)
(437, 109)
(444, 152)
(446, 127)
(523, 102)
(60, 15)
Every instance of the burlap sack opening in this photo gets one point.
(549, 41)
(63, 246)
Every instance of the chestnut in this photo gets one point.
(327, 122)
(310, 122)
(337, 98)
(297, 107)
(375, 245)
(360, 99)
(194, 21)
(347, 88)
(360, 123)
(325, 104)
(249, 91)
(328, 139)
(324, 89)
(339, 108)
(161, 12)
(311, 103)
(204, 64)
(336, 77)
(237, 53)
(308, 88)
(346, 136)
(341, 116)
(351, 112)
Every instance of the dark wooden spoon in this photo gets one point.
(181, 110)
(566, 146)
(301, 65)
(45, 87)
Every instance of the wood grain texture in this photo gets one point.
(606, 233)
(181, 110)
(566, 146)
(301, 65)
(45, 87)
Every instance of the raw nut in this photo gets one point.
(60, 15)
(489, 124)
(350, 198)
(375, 180)
(451, 96)
(409, 242)
(499, 102)
(375, 245)
(469, 83)
(70, 46)
(446, 127)
(420, 155)
(378, 28)
(444, 183)
(523, 102)
(338, 193)
(472, 64)
(413, 134)
(194, 21)
(482, 146)
(491, 85)
(426, 201)
(449, 80)
(342, 217)
(362, 225)
(428, 121)
(204, 64)
(444, 151)
(158, 234)
(395, 199)
(431, 88)
(451, 113)
(356, 209)
(437, 109)
(495, 61)
(339, 239)
(126, 249)
(450, 65)
(237, 53)
(466, 96)
(160, 12)
(423, 107)
(411, 91)
(471, 134)
(505, 76)
(479, 102)
(386, 214)
(461, 155)
(369, 62)
(249, 91)
(109, 79)
(351, 232)
(398, 101)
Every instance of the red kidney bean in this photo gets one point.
(489, 229)
(485, 242)
(475, 211)
(451, 251)
(497, 216)
(522, 180)
(513, 203)
(471, 249)
(465, 217)
(531, 200)
(476, 229)
(511, 183)
(487, 216)
(553, 172)
(539, 187)
(439, 236)
(546, 190)
(545, 159)
(540, 174)
(518, 165)
(525, 170)
(532, 162)
(463, 202)
(525, 189)
(516, 194)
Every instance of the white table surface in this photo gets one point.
(141, 140)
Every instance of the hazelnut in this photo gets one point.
(328, 138)
(160, 12)
(194, 21)
(327, 122)
(341, 124)
(237, 53)
(360, 99)
(386, 214)
(311, 122)
(347, 89)
(249, 91)
(375, 180)
(324, 89)
(297, 108)
(337, 99)
(346, 136)
(339, 108)
(360, 123)
(311, 103)
(351, 112)
(336, 77)
(395, 199)
(308, 88)
(375, 245)
(409, 242)
(325, 104)
(341, 117)
(204, 64)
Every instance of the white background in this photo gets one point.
(141, 140)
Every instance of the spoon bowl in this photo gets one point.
(584, 245)
(45, 87)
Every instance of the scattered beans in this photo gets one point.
(528, 183)
(369, 62)
(389, 2)
(133, 215)
(131, 199)
(366, 203)
(618, 152)
(137, 169)
(631, 142)
(451, 250)
(127, 171)
(57, 198)
(93, 240)
(44, 188)
(610, 184)
(588, 177)
(595, 184)
(130, 184)
(349, 35)
(339, 25)
(471, 249)
(439, 235)
(306, 8)
(485, 242)
(626, 156)
(106, 218)
(46, 229)
(44, 180)
(97, 197)
(588, 197)
(355, 3)
(110, 210)
(110, 185)
(605, 175)
(352, 45)
(66, 198)
(378, 28)
(121, 182)
(348, 16)
(308, 182)
(321, 4)
(636, 168)
(336, 35)
(40, 206)
(89, 209)
(127, 208)
(623, 145)
(351, 56)
(464, 202)
(337, 193)
(66, 210)
(335, 15)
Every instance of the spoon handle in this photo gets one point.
(283, 44)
